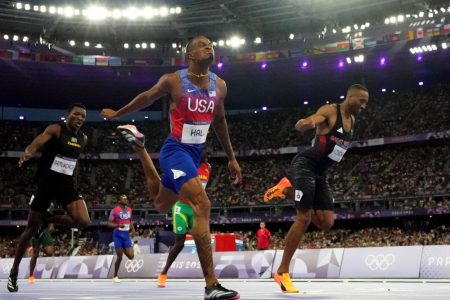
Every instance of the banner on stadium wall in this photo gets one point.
(101, 61)
(89, 60)
(381, 262)
(73, 266)
(6, 265)
(313, 263)
(114, 61)
(245, 264)
(435, 262)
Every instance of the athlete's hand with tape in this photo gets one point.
(108, 113)
(235, 170)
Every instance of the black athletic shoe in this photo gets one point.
(12, 283)
(132, 135)
(219, 292)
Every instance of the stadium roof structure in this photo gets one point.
(217, 19)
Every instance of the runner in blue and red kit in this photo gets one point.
(196, 98)
(120, 220)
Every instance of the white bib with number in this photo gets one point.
(124, 227)
(64, 165)
(337, 153)
(194, 134)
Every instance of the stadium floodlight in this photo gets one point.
(72, 43)
(87, 44)
(433, 47)
(291, 36)
(174, 45)
(355, 26)
(43, 8)
(334, 30)
(177, 10)
(25, 39)
(424, 48)
(412, 50)
(400, 18)
(363, 27)
(36, 7)
(408, 16)
(116, 14)
(387, 21)
(172, 10)
(60, 10)
(305, 102)
(393, 19)
(163, 11)
(349, 60)
(69, 12)
(221, 43)
(147, 13)
(235, 42)
(444, 45)
(342, 97)
(95, 13)
(442, 9)
(99, 46)
(132, 13)
(257, 40)
(76, 12)
(144, 45)
(430, 14)
(19, 5)
(126, 45)
(367, 24)
(27, 6)
(137, 46)
(15, 38)
(383, 90)
(6, 37)
(421, 14)
(264, 108)
(242, 41)
(152, 45)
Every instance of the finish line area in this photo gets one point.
(264, 289)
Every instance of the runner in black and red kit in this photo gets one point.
(307, 183)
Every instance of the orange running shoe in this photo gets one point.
(277, 190)
(162, 280)
(284, 281)
(31, 279)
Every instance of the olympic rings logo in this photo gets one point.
(7, 267)
(380, 262)
(134, 265)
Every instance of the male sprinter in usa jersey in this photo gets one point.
(310, 191)
(196, 98)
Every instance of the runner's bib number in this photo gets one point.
(64, 165)
(124, 227)
(337, 153)
(194, 134)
